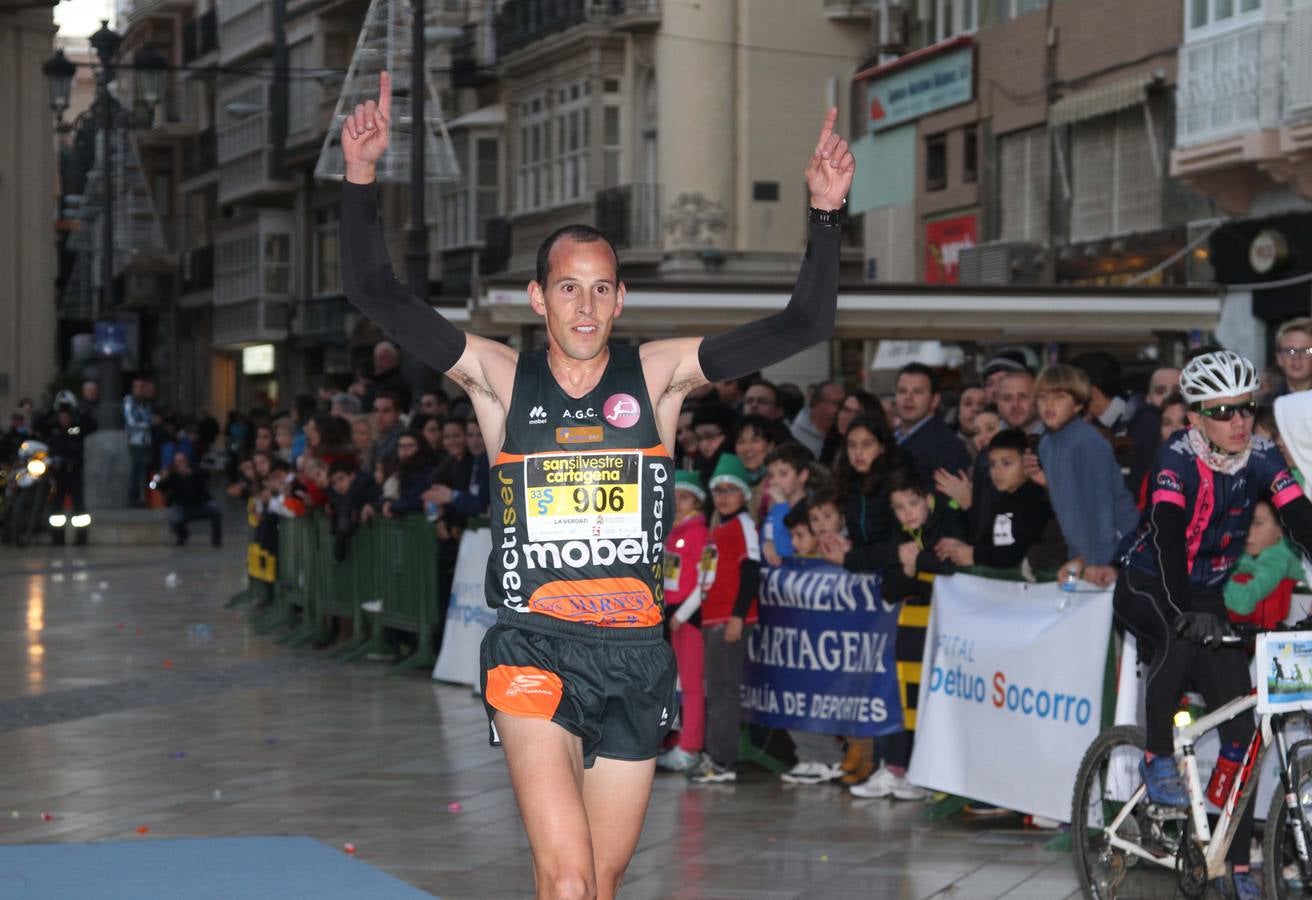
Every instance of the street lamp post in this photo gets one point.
(149, 65)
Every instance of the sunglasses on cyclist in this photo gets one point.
(1227, 411)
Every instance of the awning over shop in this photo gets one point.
(1099, 101)
(950, 315)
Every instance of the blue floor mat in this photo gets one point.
(192, 869)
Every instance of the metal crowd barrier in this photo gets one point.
(390, 561)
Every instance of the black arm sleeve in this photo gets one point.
(807, 319)
(1296, 517)
(370, 284)
(749, 583)
(1168, 542)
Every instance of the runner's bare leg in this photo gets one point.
(616, 793)
(546, 772)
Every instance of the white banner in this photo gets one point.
(1011, 692)
(468, 617)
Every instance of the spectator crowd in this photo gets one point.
(1027, 472)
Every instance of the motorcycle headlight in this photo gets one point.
(36, 467)
(58, 521)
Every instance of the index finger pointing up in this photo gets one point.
(385, 95)
(827, 129)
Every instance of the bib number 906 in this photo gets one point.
(598, 499)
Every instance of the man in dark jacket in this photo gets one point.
(64, 435)
(388, 378)
(930, 443)
(189, 500)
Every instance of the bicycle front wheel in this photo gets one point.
(1280, 868)
(1107, 778)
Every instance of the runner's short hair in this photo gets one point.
(583, 234)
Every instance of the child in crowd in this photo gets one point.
(350, 492)
(728, 614)
(683, 600)
(987, 424)
(1084, 481)
(1263, 582)
(789, 473)
(1020, 513)
(825, 514)
(925, 521)
(800, 535)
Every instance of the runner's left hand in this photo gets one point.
(832, 166)
(733, 632)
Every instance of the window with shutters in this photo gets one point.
(533, 189)
(1116, 183)
(1023, 185)
(954, 17)
(573, 138)
(303, 92)
(468, 204)
(327, 267)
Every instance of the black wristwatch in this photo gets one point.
(830, 218)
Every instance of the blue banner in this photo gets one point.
(821, 659)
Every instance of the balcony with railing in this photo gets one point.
(243, 142)
(252, 273)
(245, 29)
(522, 23)
(630, 215)
(1244, 105)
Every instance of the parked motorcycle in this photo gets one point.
(27, 494)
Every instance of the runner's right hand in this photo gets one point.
(365, 131)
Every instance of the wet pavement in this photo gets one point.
(130, 699)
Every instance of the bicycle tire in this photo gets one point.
(1277, 845)
(1100, 869)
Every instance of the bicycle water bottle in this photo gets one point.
(1071, 582)
(1225, 773)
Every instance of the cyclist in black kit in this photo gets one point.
(578, 683)
(1203, 488)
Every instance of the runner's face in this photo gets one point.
(1233, 436)
(581, 299)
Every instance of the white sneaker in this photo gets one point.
(676, 759)
(905, 790)
(878, 785)
(811, 772)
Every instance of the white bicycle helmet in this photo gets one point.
(1214, 376)
(65, 400)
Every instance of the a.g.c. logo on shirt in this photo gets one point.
(621, 410)
(537, 416)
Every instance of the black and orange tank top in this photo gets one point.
(582, 499)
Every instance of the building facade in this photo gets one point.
(27, 204)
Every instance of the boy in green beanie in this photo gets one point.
(733, 574)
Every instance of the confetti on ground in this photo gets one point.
(121, 626)
(47, 817)
(454, 807)
(178, 754)
(168, 663)
(13, 814)
(270, 741)
(216, 795)
(104, 585)
(349, 848)
(171, 580)
(143, 829)
(138, 632)
(824, 857)
(96, 596)
(57, 578)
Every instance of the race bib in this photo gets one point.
(673, 567)
(578, 496)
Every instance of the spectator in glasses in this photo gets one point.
(1294, 355)
(815, 420)
(762, 399)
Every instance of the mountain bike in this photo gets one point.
(1126, 847)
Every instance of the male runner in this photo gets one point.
(578, 682)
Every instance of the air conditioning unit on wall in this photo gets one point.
(1003, 262)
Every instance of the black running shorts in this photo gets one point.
(613, 687)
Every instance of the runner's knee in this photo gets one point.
(567, 882)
